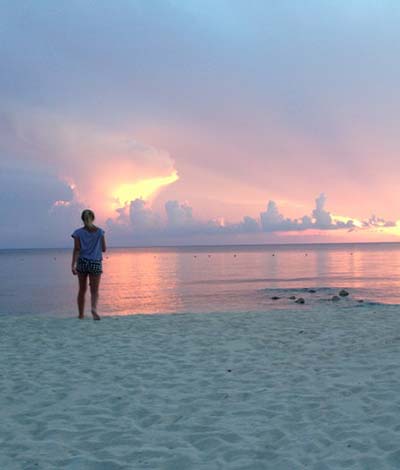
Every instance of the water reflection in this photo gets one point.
(200, 279)
(140, 283)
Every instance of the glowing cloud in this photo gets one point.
(104, 169)
(144, 189)
(139, 221)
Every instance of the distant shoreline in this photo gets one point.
(228, 246)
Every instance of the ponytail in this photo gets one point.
(88, 218)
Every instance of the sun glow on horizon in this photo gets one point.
(142, 189)
(372, 231)
(339, 218)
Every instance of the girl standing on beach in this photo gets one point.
(89, 246)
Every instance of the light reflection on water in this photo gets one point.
(202, 279)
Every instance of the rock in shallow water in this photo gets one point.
(343, 293)
(300, 301)
(335, 298)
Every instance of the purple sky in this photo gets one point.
(209, 121)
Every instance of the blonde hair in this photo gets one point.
(88, 218)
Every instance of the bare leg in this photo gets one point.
(94, 293)
(81, 294)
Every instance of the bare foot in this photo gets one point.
(95, 316)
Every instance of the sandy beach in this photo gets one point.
(277, 390)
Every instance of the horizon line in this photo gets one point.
(246, 245)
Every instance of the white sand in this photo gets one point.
(316, 390)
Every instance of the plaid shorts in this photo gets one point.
(89, 266)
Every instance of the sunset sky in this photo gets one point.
(200, 121)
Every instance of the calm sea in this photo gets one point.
(203, 279)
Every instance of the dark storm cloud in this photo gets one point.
(36, 209)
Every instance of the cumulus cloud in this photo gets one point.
(178, 215)
(40, 209)
(378, 222)
(139, 221)
(134, 221)
(247, 225)
(142, 218)
(271, 218)
(37, 209)
(273, 221)
(98, 161)
(322, 217)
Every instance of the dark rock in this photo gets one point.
(312, 291)
(229, 370)
(360, 301)
(275, 298)
(343, 293)
(292, 297)
(335, 298)
(300, 301)
(301, 332)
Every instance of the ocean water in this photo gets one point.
(204, 279)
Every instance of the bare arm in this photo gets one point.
(103, 244)
(75, 255)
